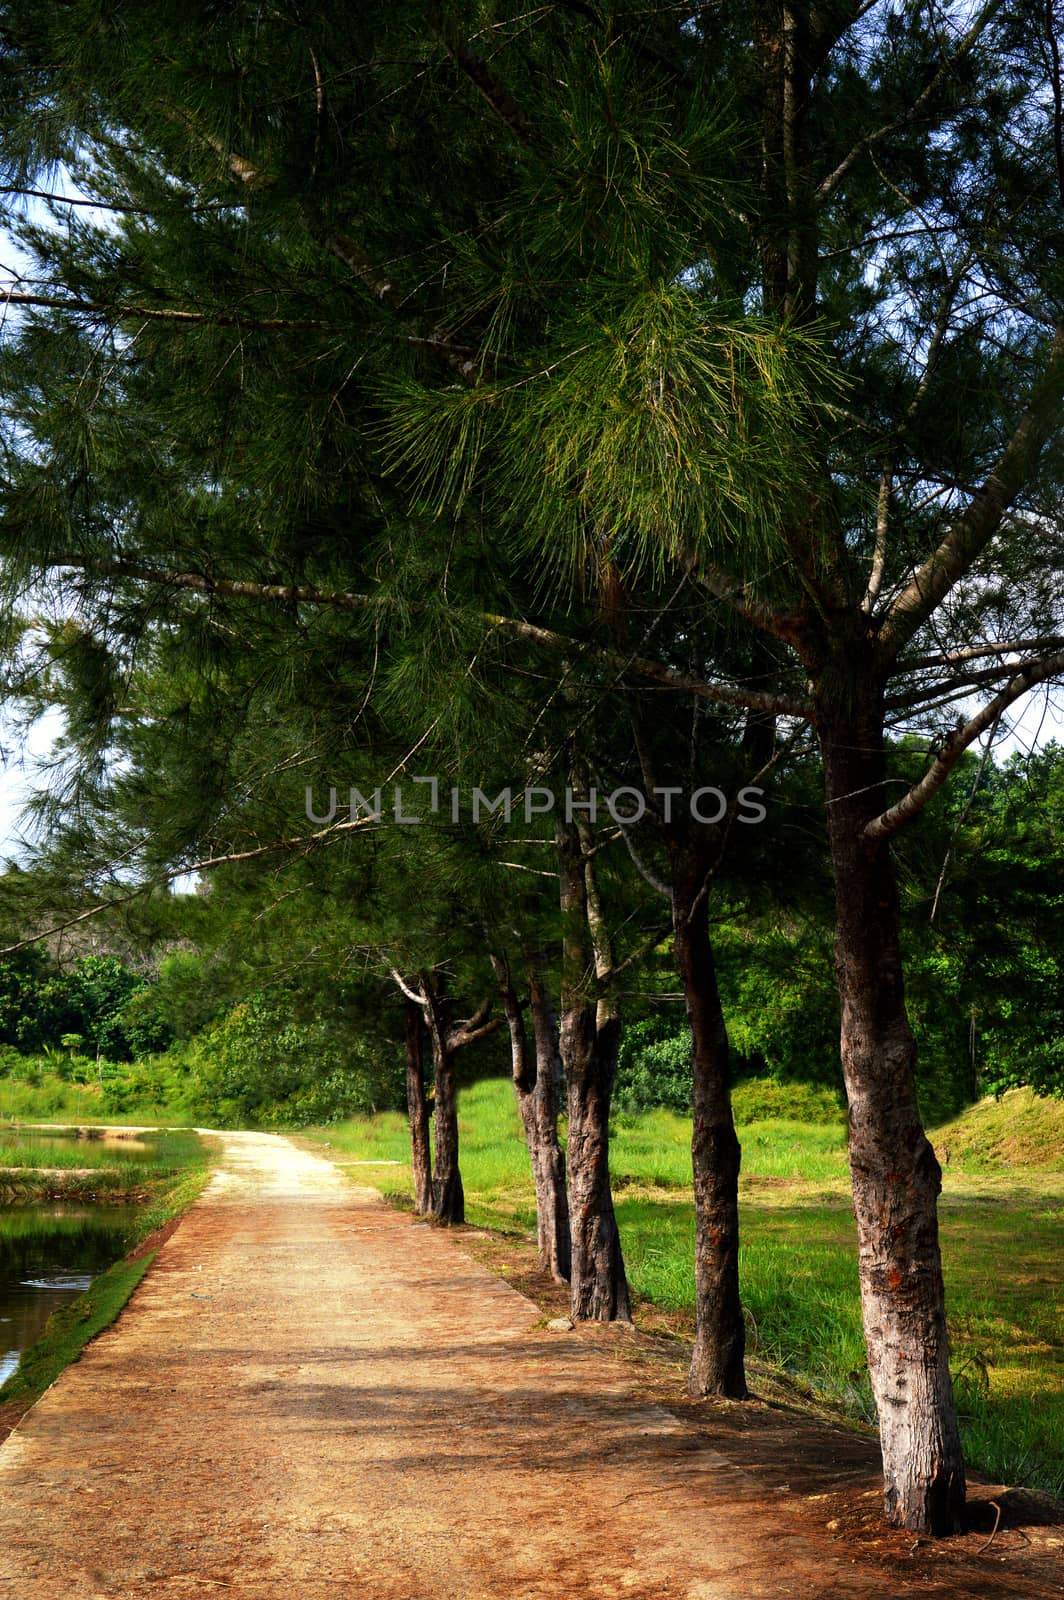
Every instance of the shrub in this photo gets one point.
(261, 1065)
(654, 1067)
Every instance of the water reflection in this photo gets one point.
(74, 1146)
(48, 1254)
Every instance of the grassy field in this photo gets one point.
(1002, 1235)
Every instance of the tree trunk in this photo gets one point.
(418, 1109)
(535, 1081)
(720, 1334)
(598, 1281)
(590, 1040)
(448, 1198)
(896, 1177)
(552, 1200)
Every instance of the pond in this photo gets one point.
(48, 1254)
(51, 1250)
(84, 1147)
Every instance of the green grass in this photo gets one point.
(45, 1097)
(69, 1330)
(1018, 1131)
(1002, 1239)
(172, 1174)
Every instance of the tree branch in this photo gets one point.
(955, 744)
(491, 88)
(1002, 647)
(829, 184)
(201, 583)
(418, 999)
(475, 1027)
(879, 556)
(656, 672)
(204, 865)
(217, 319)
(741, 598)
(983, 516)
(346, 600)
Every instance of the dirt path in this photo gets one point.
(313, 1396)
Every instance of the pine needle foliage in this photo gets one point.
(623, 413)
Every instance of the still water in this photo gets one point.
(48, 1254)
(52, 1250)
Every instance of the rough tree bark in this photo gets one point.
(536, 1076)
(720, 1333)
(447, 1039)
(554, 1228)
(418, 1109)
(590, 1040)
(448, 1195)
(896, 1176)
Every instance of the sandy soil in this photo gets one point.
(311, 1395)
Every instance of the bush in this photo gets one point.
(767, 1099)
(654, 1067)
(259, 1065)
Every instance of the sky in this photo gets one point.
(19, 774)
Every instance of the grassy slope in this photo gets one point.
(53, 1099)
(1002, 1237)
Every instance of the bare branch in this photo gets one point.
(492, 89)
(955, 744)
(984, 513)
(1003, 647)
(646, 872)
(217, 319)
(731, 694)
(201, 583)
(187, 869)
(879, 556)
(475, 1027)
(829, 184)
(418, 999)
(962, 683)
(741, 598)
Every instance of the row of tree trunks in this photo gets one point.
(896, 1176)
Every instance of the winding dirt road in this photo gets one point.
(311, 1395)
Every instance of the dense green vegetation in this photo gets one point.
(1003, 1235)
